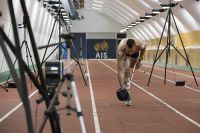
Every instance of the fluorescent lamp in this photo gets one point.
(157, 11)
(167, 6)
(148, 15)
(96, 5)
(137, 22)
(142, 18)
(101, 2)
(134, 24)
(96, 8)
(178, 0)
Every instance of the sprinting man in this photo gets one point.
(130, 52)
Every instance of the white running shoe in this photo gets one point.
(128, 103)
(129, 100)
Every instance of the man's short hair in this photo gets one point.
(130, 43)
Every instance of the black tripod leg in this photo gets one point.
(14, 65)
(53, 121)
(3, 88)
(43, 58)
(30, 56)
(78, 63)
(155, 59)
(187, 58)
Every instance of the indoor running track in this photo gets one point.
(157, 108)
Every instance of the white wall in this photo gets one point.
(95, 22)
(42, 23)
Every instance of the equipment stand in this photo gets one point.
(28, 53)
(70, 79)
(81, 58)
(170, 43)
(71, 86)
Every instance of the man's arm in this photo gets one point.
(142, 52)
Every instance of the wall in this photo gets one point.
(188, 22)
(95, 22)
(42, 23)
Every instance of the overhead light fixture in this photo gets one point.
(148, 15)
(137, 22)
(130, 26)
(157, 11)
(143, 18)
(93, 4)
(178, 0)
(66, 19)
(133, 24)
(53, 2)
(167, 6)
(96, 8)
(96, 1)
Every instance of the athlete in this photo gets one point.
(130, 53)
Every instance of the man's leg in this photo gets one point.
(120, 69)
(127, 77)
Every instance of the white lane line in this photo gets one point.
(20, 104)
(94, 110)
(166, 104)
(68, 65)
(16, 107)
(169, 71)
(190, 88)
(172, 72)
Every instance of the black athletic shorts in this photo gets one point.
(135, 55)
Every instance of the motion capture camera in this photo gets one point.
(53, 74)
(122, 94)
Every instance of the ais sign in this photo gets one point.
(101, 48)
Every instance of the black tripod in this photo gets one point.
(81, 57)
(170, 16)
(28, 53)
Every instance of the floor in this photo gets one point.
(157, 108)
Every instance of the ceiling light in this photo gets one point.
(101, 2)
(96, 8)
(133, 24)
(167, 6)
(143, 18)
(97, 5)
(157, 11)
(137, 22)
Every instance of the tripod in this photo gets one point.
(81, 56)
(71, 86)
(28, 53)
(170, 16)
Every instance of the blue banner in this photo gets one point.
(101, 48)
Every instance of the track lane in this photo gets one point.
(162, 119)
(183, 99)
(69, 123)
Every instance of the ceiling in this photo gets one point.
(123, 11)
(127, 12)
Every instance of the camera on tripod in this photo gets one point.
(53, 75)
